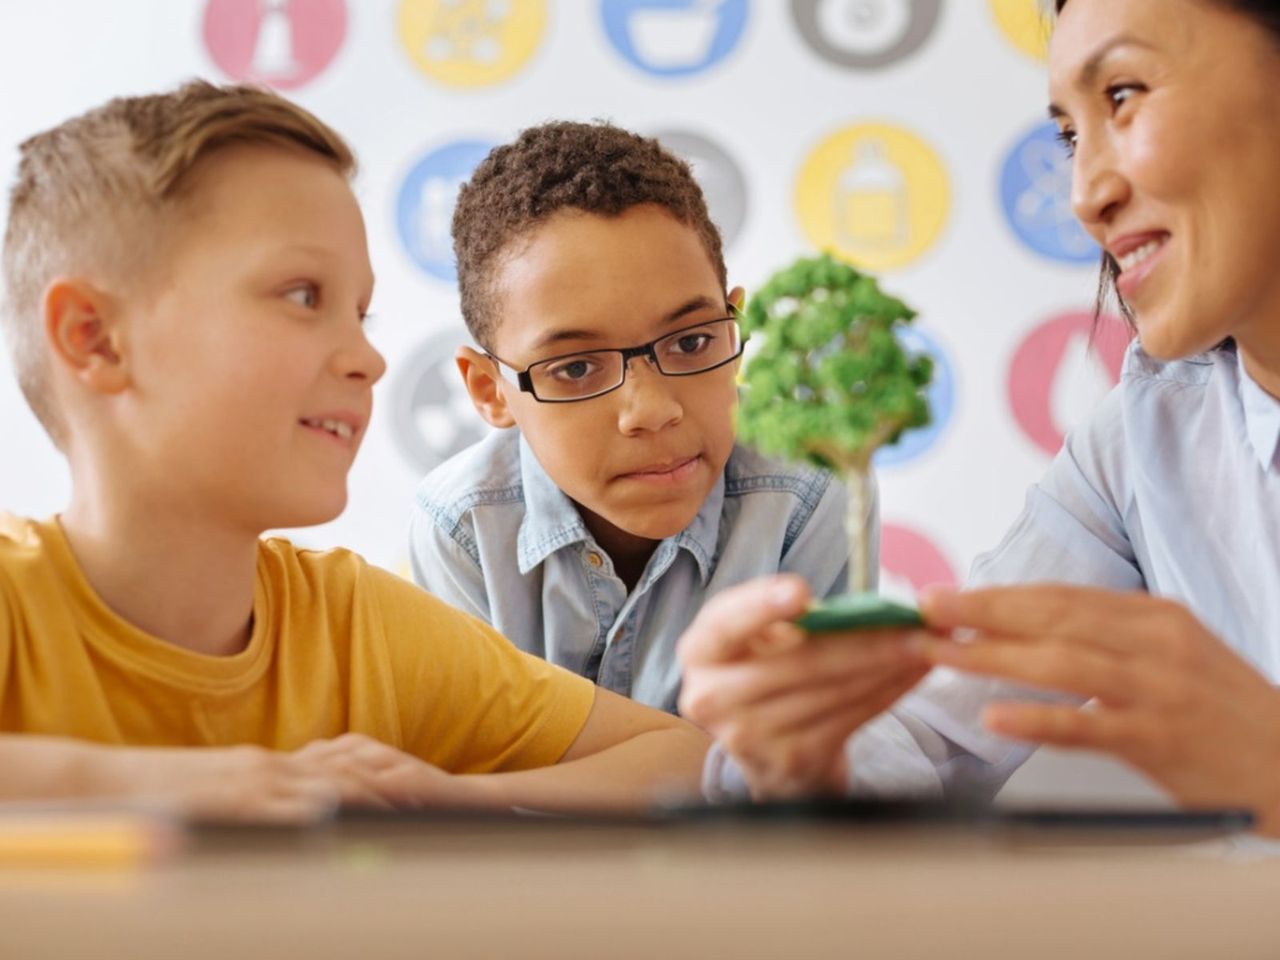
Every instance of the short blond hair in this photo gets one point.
(93, 192)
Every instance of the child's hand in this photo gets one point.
(221, 783)
(780, 703)
(370, 773)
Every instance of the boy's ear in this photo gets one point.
(83, 330)
(480, 376)
(737, 297)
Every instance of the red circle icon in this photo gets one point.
(907, 557)
(280, 43)
(1060, 371)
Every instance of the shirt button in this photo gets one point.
(595, 559)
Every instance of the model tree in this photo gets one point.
(830, 384)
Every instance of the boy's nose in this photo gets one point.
(361, 360)
(647, 400)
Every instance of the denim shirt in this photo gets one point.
(1172, 487)
(493, 535)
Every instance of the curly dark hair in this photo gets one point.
(594, 167)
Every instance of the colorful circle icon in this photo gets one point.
(431, 413)
(875, 194)
(910, 561)
(865, 34)
(942, 401)
(1025, 25)
(674, 38)
(1035, 193)
(471, 43)
(280, 43)
(424, 205)
(723, 185)
(1060, 371)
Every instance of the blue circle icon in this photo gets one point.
(674, 38)
(942, 401)
(1035, 192)
(424, 206)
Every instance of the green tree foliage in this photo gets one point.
(829, 383)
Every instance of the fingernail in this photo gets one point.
(935, 600)
(918, 642)
(784, 594)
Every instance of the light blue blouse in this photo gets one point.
(1172, 487)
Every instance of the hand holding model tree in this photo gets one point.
(830, 384)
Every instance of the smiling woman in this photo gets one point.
(1144, 572)
(1264, 13)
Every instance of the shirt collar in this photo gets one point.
(1261, 417)
(552, 522)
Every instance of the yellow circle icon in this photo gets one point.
(1025, 24)
(471, 43)
(874, 194)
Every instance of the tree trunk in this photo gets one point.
(858, 482)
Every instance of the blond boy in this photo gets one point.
(186, 278)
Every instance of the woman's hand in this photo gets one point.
(780, 702)
(1171, 699)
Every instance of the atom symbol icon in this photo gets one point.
(1044, 205)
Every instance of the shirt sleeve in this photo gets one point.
(469, 701)
(820, 552)
(1072, 529)
(445, 567)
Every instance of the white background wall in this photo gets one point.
(967, 92)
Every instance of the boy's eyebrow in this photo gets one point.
(682, 311)
(697, 303)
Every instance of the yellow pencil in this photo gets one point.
(84, 839)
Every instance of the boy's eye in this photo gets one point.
(304, 295)
(573, 369)
(691, 343)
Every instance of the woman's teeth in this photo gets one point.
(1135, 257)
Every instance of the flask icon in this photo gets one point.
(273, 50)
(1079, 383)
(871, 206)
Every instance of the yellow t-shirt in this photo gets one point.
(337, 646)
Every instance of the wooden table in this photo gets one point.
(541, 888)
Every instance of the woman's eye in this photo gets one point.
(1067, 138)
(1120, 93)
(304, 295)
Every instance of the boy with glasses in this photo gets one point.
(593, 282)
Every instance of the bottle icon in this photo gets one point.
(467, 31)
(871, 202)
(273, 51)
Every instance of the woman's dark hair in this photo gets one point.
(1267, 15)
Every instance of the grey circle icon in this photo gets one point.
(722, 182)
(431, 413)
(865, 34)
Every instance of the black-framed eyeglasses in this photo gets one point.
(592, 373)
